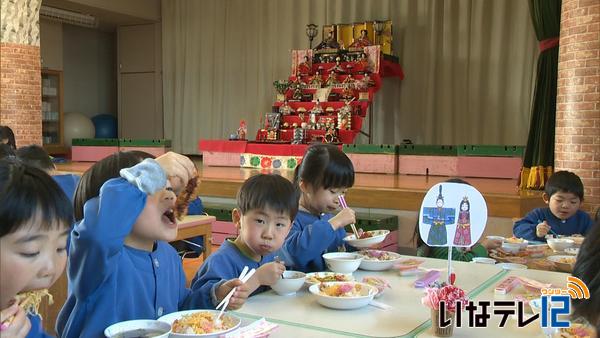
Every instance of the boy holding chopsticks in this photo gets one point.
(266, 206)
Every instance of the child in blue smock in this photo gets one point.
(324, 174)
(266, 206)
(36, 156)
(121, 266)
(564, 195)
(36, 218)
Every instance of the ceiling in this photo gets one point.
(108, 21)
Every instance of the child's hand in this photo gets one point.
(490, 244)
(344, 217)
(14, 322)
(179, 169)
(270, 273)
(542, 229)
(239, 296)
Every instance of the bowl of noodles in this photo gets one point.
(200, 323)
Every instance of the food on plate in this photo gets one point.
(327, 277)
(377, 255)
(189, 194)
(567, 260)
(364, 234)
(514, 240)
(201, 323)
(576, 331)
(341, 290)
(378, 282)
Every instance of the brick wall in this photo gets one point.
(577, 146)
(20, 96)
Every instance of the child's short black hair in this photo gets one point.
(268, 191)
(6, 150)
(7, 134)
(586, 268)
(92, 180)
(35, 156)
(325, 166)
(27, 192)
(564, 181)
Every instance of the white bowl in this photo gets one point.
(511, 247)
(496, 238)
(378, 237)
(372, 263)
(170, 318)
(345, 303)
(291, 282)
(139, 328)
(560, 244)
(521, 242)
(537, 250)
(337, 277)
(342, 262)
(483, 260)
(512, 266)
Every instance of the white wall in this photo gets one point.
(89, 62)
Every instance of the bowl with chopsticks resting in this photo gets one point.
(342, 262)
(367, 239)
(289, 283)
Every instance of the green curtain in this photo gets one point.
(539, 155)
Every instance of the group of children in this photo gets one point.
(120, 265)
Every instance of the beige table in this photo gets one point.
(532, 330)
(406, 318)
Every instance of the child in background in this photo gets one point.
(36, 218)
(7, 137)
(324, 174)
(564, 195)
(479, 249)
(267, 205)
(37, 156)
(120, 264)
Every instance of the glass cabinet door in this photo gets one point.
(51, 108)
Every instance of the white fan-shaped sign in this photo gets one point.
(452, 214)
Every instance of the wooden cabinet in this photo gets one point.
(140, 82)
(52, 111)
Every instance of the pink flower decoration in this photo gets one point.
(450, 294)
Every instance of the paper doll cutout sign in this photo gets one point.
(452, 214)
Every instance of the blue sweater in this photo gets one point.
(225, 264)
(68, 183)
(36, 331)
(112, 282)
(580, 223)
(310, 237)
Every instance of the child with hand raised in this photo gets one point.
(120, 264)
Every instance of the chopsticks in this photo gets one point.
(244, 277)
(344, 205)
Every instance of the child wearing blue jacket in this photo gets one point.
(266, 206)
(324, 174)
(36, 218)
(120, 264)
(564, 195)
